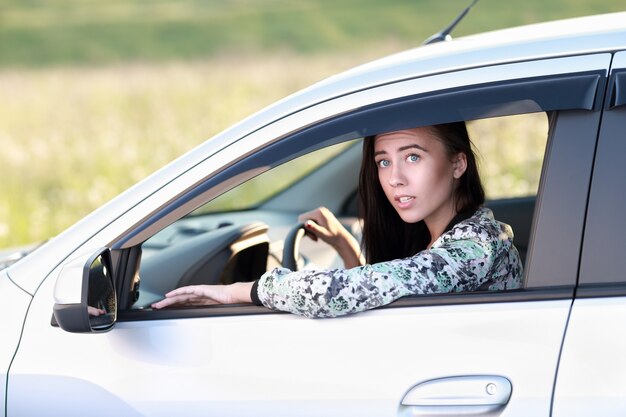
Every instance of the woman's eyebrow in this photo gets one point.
(415, 145)
(403, 148)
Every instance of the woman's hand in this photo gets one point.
(325, 226)
(94, 311)
(200, 295)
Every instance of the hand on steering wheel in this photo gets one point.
(321, 223)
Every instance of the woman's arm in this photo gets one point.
(331, 293)
(466, 258)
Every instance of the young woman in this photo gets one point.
(425, 231)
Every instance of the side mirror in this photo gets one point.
(84, 294)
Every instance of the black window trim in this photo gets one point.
(432, 300)
(602, 261)
(601, 290)
(618, 89)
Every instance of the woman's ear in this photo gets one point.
(459, 164)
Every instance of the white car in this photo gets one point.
(227, 210)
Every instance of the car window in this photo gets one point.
(254, 192)
(251, 204)
(236, 238)
(510, 152)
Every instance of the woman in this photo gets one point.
(424, 232)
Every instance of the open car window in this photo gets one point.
(240, 235)
(240, 216)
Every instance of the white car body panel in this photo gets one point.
(592, 371)
(281, 365)
(14, 303)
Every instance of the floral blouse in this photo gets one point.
(475, 254)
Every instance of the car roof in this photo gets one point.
(542, 40)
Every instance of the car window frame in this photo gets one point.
(571, 97)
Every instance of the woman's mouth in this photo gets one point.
(404, 201)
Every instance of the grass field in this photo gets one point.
(72, 139)
(97, 95)
(83, 32)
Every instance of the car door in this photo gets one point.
(592, 371)
(478, 353)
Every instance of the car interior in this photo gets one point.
(253, 227)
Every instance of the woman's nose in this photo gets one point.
(396, 178)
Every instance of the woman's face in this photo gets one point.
(418, 176)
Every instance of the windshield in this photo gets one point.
(254, 192)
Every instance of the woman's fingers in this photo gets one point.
(170, 301)
(317, 215)
(325, 226)
(317, 223)
(93, 311)
(190, 295)
(197, 295)
(314, 230)
(189, 290)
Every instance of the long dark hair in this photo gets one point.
(385, 235)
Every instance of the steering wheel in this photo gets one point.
(291, 247)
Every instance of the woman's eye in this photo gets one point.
(413, 158)
(383, 163)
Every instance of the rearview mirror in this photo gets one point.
(84, 295)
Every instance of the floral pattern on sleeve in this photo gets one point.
(476, 254)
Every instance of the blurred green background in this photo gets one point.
(96, 95)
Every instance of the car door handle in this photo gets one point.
(471, 394)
